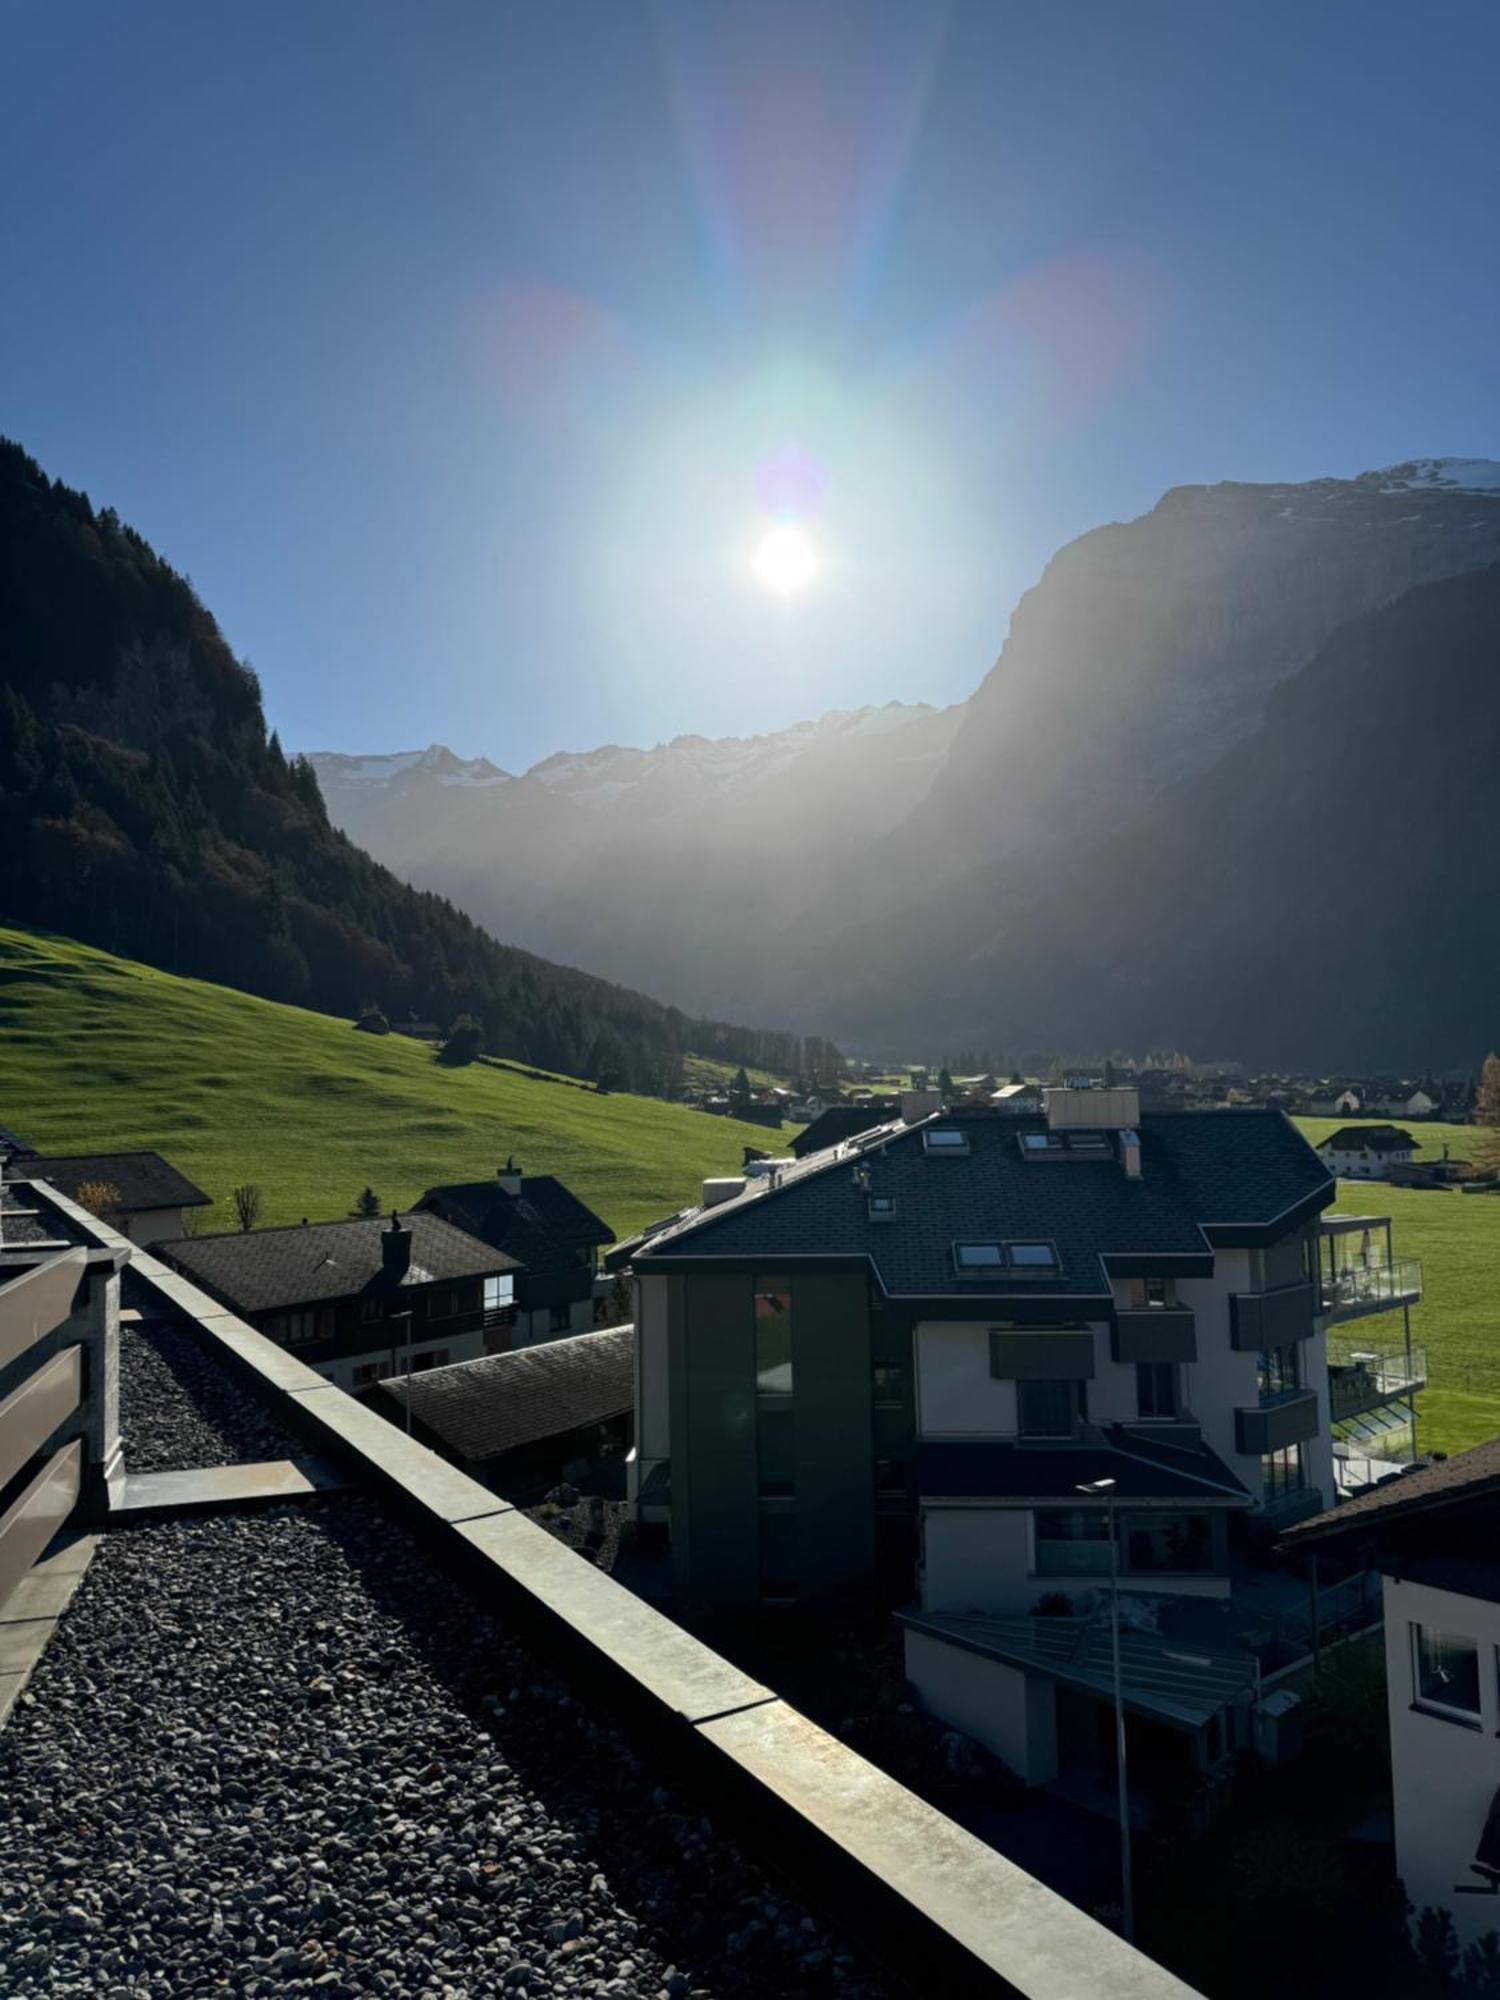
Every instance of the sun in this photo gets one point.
(785, 560)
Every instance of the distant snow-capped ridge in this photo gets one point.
(1448, 475)
(436, 763)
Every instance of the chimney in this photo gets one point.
(723, 1189)
(1130, 1153)
(395, 1248)
(509, 1177)
(919, 1104)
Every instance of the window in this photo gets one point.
(295, 1328)
(882, 1208)
(499, 1293)
(1445, 1671)
(1087, 1142)
(432, 1357)
(365, 1373)
(889, 1384)
(445, 1302)
(1048, 1409)
(1278, 1373)
(1152, 1294)
(559, 1319)
(945, 1139)
(1281, 1473)
(1156, 1389)
(980, 1257)
(1041, 1142)
(371, 1310)
(774, 1440)
(1173, 1542)
(1032, 1256)
(1071, 1541)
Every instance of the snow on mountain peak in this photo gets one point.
(1447, 475)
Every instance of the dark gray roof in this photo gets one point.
(1206, 1176)
(145, 1180)
(984, 1468)
(1159, 1679)
(482, 1408)
(1368, 1139)
(840, 1121)
(542, 1227)
(1469, 1475)
(262, 1269)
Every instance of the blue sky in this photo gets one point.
(461, 353)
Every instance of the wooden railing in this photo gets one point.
(44, 1375)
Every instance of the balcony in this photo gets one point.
(1359, 1383)
(1289, 1419)
(1155, 1333)
(1259, 1321)
(1355, 1290)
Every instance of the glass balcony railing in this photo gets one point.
(1361, 1382)
(1360, 1288)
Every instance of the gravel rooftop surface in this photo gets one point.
(277, 1753)
(178, 1411)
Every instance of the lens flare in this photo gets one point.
(785, 560)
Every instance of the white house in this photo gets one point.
(1366, 1152)
(1434, 1535)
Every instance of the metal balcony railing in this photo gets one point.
(1358, 1288)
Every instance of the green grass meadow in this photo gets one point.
(100, 1053)
(1457, 1237)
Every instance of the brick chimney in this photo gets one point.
(509, 1177)
(395, 1248)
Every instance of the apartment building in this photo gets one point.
(939, 1362)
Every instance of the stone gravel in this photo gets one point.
(277, 1753)
(178, 1411)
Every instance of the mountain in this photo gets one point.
(848, 872)
(1150, 647)
(676, 866)
(145, 808)
(1322, 896)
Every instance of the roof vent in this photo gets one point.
(1102, 1110)
(1130, 1153)
(725, 1188)
(509, 1177)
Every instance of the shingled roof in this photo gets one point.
(482, 1408)
(1468, 1475)
(260, 1270)
(1368, 1139)
(1207, 1178)
(145, 1180)
(542, 1227)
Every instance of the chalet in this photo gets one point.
(1366, 1152)
(548, 1237)
(147, 1194)
(361, 1299)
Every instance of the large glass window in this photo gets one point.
(1445, 1670)
(499, 1293)
(1282, 1472)
(1071, 1541)
(775, 1448)
(1156, 1389)
(1278, 1372)
(1168, 1542)
(1048, 1409)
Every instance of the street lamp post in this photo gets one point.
(1104, 1489)
(407, 1399)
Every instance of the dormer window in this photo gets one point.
(1041, 1142)
(945, 1139)
(882, 1207)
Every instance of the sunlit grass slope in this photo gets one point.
(98, 1052)
(1457, 1237)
